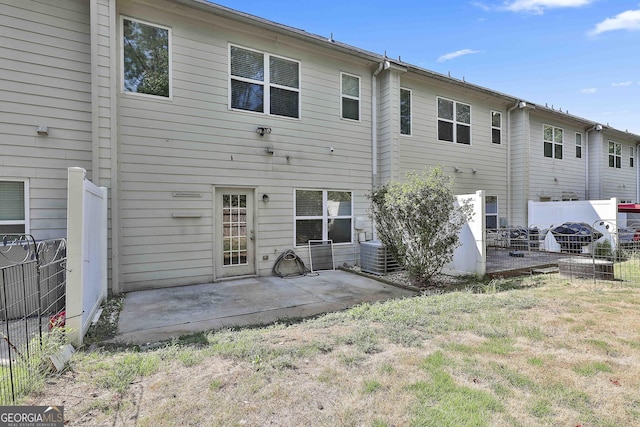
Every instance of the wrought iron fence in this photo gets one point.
(32, 303)
(598, 251)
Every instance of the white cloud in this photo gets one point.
(589, 90)
(456, 54)
(539, 6)
(628, 20)
(622, 83)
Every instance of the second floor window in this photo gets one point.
(553, 140)
(264, 83)
(146, 58)
(405, 111)
(350, 90)
(631, 156)
(454, 121)
(496, 127)
(578, 145)
(615, 155)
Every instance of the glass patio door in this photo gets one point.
(235, 235)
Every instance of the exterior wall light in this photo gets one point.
(265, 198)
(262, 130)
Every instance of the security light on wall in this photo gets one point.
(598, 128)
(263, 130)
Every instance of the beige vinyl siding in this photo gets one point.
(194, 143)
(45, 80)
(569, 171)
(619, 183)
(519, 153)
(597, 158)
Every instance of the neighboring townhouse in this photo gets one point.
(433, 120)
(45, 112)
(225, 139)
(555, 156)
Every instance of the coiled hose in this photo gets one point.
(292, 262)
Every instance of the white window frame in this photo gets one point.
(169, 46)
(409, 133)
(487, 214)
(498, 128)
(578, 145)
(454, 121)
(617, 158)
(553, 142)
(356, 98)
(324, 217)
(266, 84)
(26, 222)
(632, 152)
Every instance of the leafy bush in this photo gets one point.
(418, 222)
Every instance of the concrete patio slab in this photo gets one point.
(160, 314)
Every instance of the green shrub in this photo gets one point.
(418, 222)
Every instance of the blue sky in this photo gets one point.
(579, 55)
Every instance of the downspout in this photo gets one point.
(509, 163)
(374, 129)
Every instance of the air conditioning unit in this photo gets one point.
(374, 258)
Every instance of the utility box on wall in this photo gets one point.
(374, 258)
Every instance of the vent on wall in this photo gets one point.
(374, 258)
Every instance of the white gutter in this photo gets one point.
(374, 129)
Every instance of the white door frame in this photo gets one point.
(221, 271)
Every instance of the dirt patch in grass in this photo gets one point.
(557, 353)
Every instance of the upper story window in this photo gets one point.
(14, 207)
(496, 127)
(350, 90)
(615, 155)
(578, 145)
(454, 121)
(553, 140)
(405, 111)
(631, 156)
(264, 83)
(146, 58)
(323, 215)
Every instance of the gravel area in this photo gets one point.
(439, 283)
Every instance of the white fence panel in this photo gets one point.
(471, 257)
(87, 252)
(551, 214)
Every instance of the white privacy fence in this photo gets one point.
(470, 257)
(86, 252)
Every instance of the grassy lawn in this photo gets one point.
(533, 351)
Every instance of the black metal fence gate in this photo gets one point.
(32, 303)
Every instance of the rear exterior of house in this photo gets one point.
(225, 139)
(260, 142)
